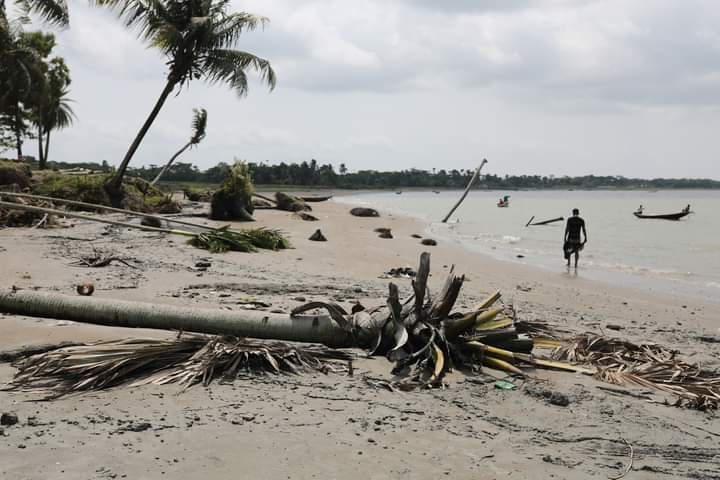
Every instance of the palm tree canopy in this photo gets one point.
(198, 37)
(54, 12)
(199, 124)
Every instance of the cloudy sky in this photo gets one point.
(628, 87)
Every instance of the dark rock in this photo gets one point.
(428, 241)
(151, 222)
(203, 264)
(550, 396)
(299, 299)
(382, 230)
(8, 419)
(385, 235)
(520, 255)
(364, 212)
(612, 326)
(415, 235)
(318, 236)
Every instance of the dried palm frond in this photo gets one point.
(185, 360)
(648, 365)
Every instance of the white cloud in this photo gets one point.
(560, 86)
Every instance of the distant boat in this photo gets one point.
(316, 198)
(399, 192)
(435, 191)
(504, 201)
(665, 216)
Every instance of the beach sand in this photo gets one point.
(332, 426)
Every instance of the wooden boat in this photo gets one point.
(316, 199)
(504, 201)
(665, 216)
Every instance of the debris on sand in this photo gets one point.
(415, 235)
(428, 242)
(289, 203)
(305, 216)
(151, 222)
(85, 289)
(422, 335)
(400, 272)
(385, 235)
(318, 236)
(364, 212)
(8, 419)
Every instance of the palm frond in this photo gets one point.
(223, 239)
(186, 360)
(229, 66)
(199, 125)
(54, 12)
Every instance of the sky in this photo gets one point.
(563, 87)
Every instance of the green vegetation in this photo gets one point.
(14, 173)
(197, 37)
(223, 239)
(233, 200)
(138, 194)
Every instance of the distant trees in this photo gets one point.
(197, 37)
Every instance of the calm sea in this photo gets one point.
(679, 257)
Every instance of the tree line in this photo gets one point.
(313, 174)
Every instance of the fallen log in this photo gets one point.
(546, 222)
(120, 313)
(103, 208)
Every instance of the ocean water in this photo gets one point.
(680, 257)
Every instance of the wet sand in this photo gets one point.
(331, 426)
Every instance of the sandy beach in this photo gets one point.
(333, 426)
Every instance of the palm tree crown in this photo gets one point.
(199, 125)
(197, 36)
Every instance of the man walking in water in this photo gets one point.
(572, 236)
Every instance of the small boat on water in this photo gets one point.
(504, 201)
(664, 216)
(316, 198)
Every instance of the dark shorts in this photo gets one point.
(572, 246)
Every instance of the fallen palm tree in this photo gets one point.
(422, 335)
(216, 240)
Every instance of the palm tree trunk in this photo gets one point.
(120, 313)
(41, 156)
(177, 154)
(114, 186)
(47, 146)
(18, 132)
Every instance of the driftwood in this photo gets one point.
(103, 208)
(467, 190)
(544, 222)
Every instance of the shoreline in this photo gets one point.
(329, 425)
(643, 283)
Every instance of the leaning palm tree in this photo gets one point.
(197, 37)
(199, 124)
